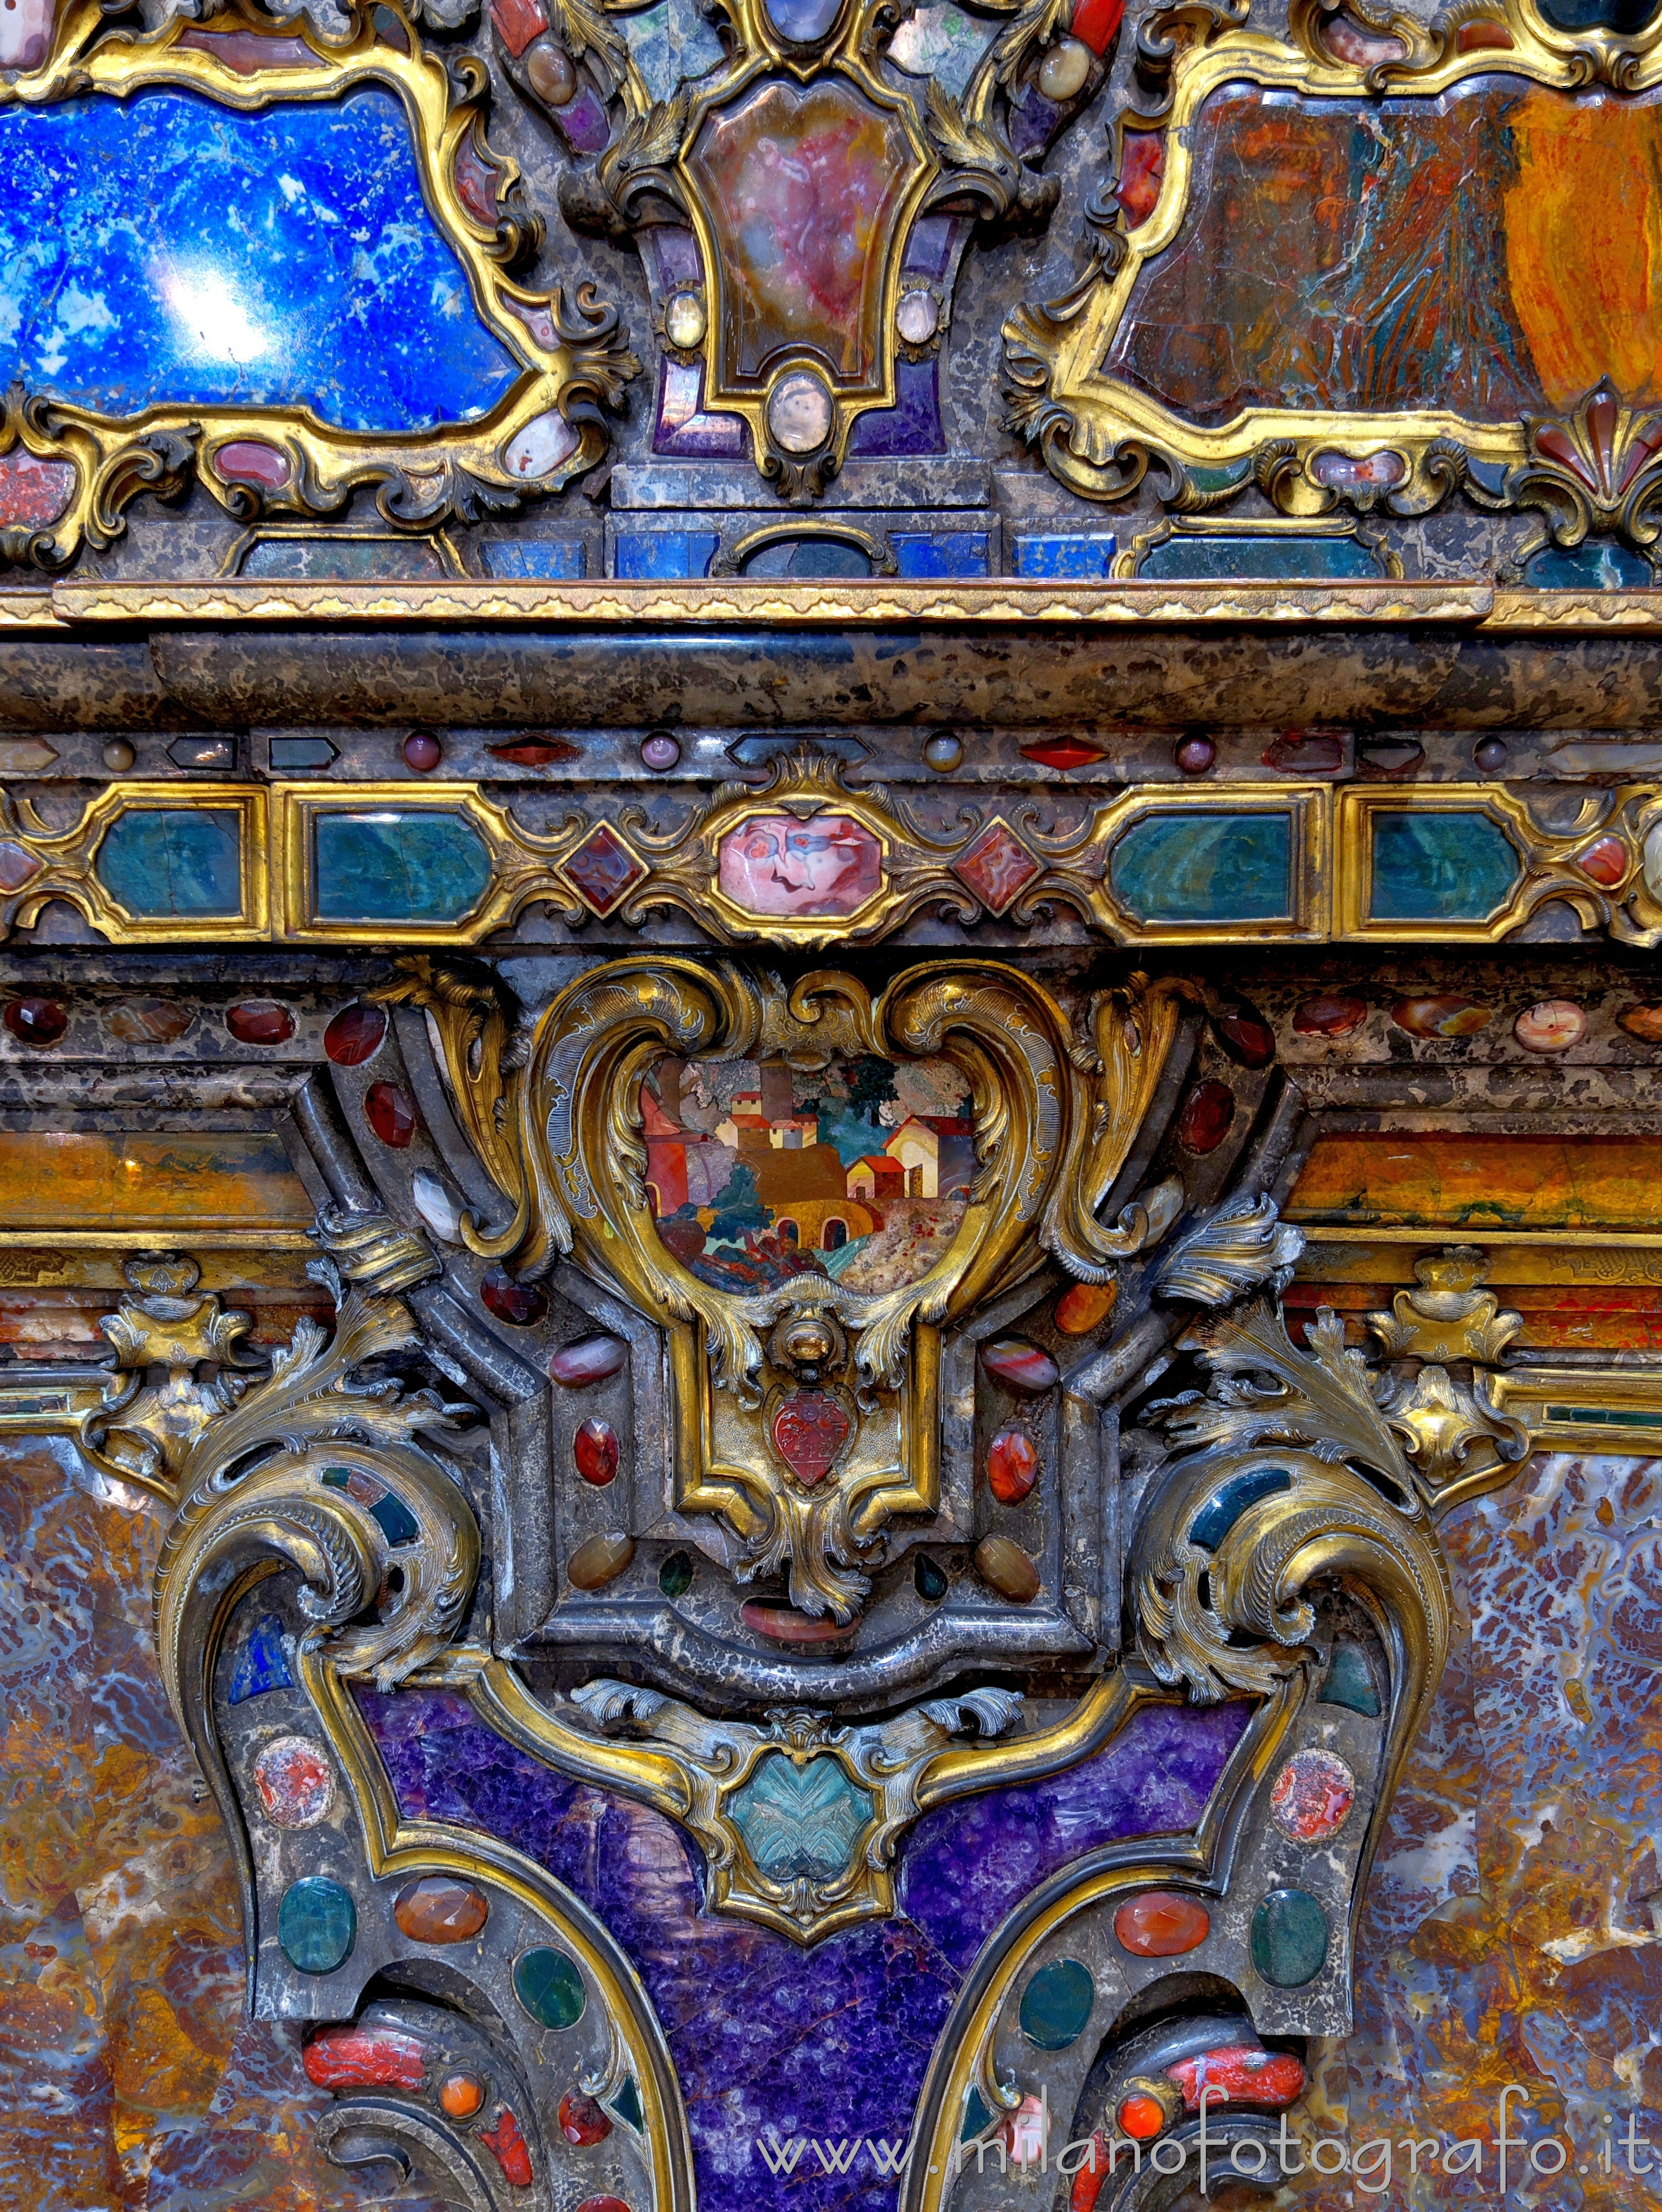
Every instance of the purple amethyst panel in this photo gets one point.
(912, 425)
(774, 2042)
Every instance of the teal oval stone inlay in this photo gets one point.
(549, 1986)
(1441, 867)
(317, 1926)
(1349, 1682)
(1056, 2003)
(162, 862)
(1289, 1938)
(1206, 867)
(398, 868)
(1226, 1506)
(311, 273)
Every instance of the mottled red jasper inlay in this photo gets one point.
(1085, 1307)
(1161, 1924)
(587, 1359)
(365, 2059)
(1312, 1796)
(1240, 2074)
(1012, 1466)
(392, 1114)
(596, 1451)
(506, 2146)
(1606, 862)
(1207, 1114)
(437, 1909)
(355, 1034)
(294, 1783)
(581, 2120)
(1019, 1366)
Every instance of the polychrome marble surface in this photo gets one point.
(1399, 254)
(770, 2040)
(167, 249)
(1510, 1934)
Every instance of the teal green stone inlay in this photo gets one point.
(317, 1926)
(1349, 1682)
(1604, 1417)
(627, 2106)
(399, 1524)
(551, 1989)
(1441, 867)
(675, 1576)
(337, 1478)
(1269, 559)
(1056, 2003)
(800, 1823)
(1289, 1938)
(1598, 565)
(1226, 1506)
(399, 868)
(977, 2118)
(174, 861)
(1206, 867)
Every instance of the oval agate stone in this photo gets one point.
(547, 1983)
(1019, 1366)
(438, 1909)
(1289, 1938)
(1012, 1466)
(317, 1926)
(1161, 1924)
(1056, 2003)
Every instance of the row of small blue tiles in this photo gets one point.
(666, 555)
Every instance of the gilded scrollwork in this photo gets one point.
(1458, 1442)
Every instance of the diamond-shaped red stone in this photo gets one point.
(1063, 752)
(392, 1117)
(1606, 862)
(997, 866)
(596, 1451)
(603, 869)
(1245, 1038)
(355, 1034)
(16, 866)
(1207, 1114)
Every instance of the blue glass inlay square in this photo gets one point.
(168, 248)
(666, 555)
(1081, 556)
(534, 560)
(161, 862)
(941, 552)
(1199, 868)
(1441, 867)
(398, 868)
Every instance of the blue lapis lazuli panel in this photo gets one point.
(164, 248)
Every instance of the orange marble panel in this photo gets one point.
(1448, 1182)
(53, 1181)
